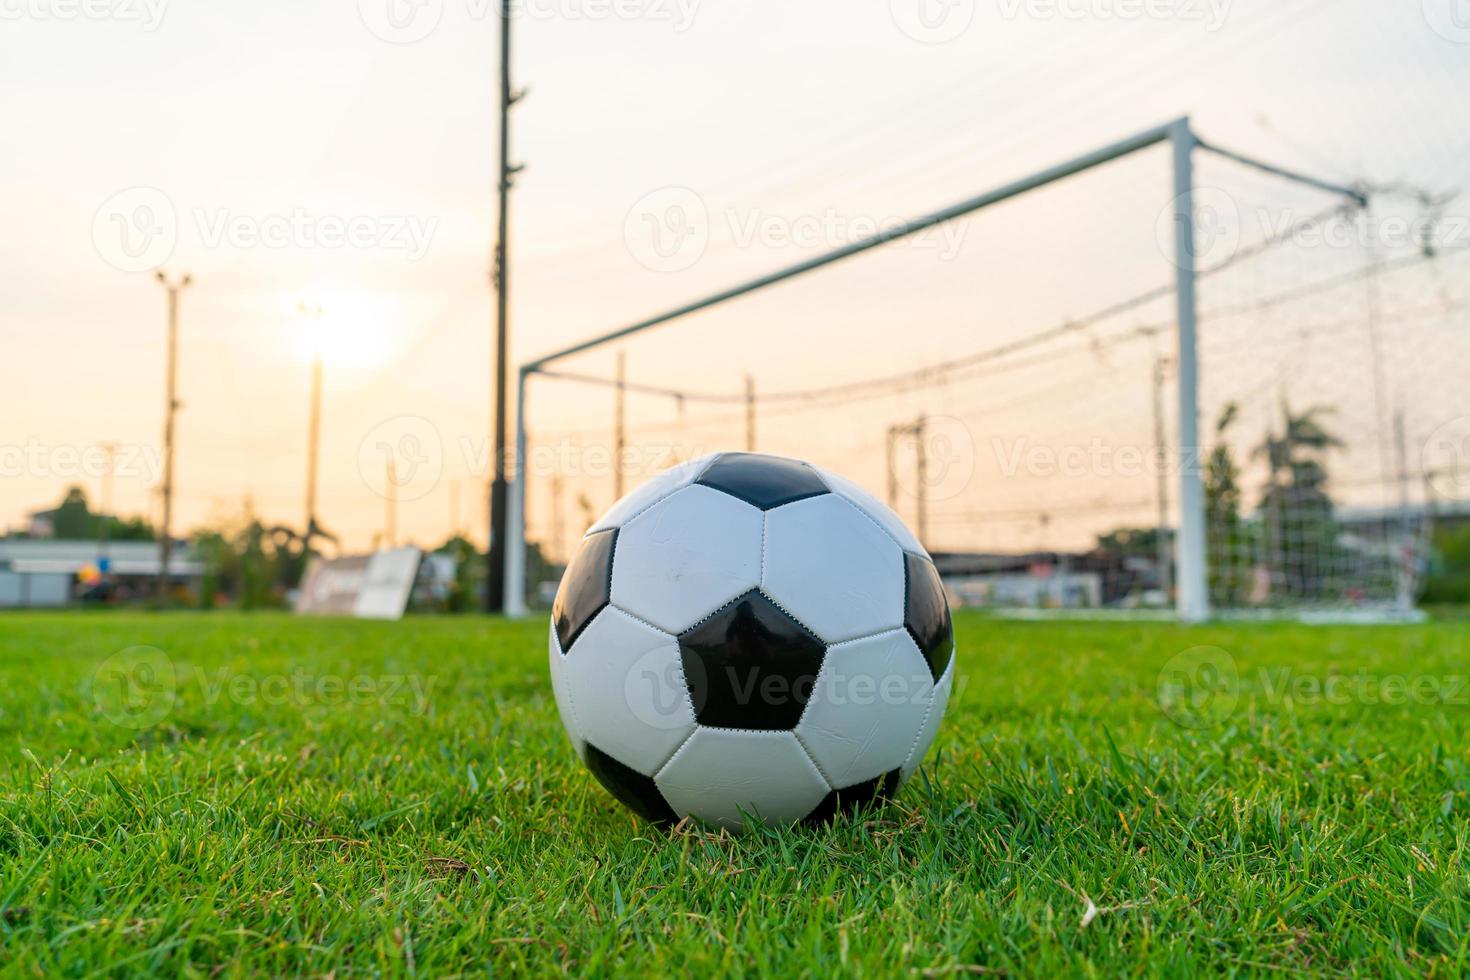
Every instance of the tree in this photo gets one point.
(74, 520)
(1296, 505)
(1228, 537)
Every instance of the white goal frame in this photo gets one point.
(1192, 590)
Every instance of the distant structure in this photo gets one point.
(41, 573)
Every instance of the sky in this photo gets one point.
(342, 155)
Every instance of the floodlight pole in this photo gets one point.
(1193, 596)
(500, 544)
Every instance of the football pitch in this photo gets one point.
(226, 794)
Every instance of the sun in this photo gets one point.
(345, 329)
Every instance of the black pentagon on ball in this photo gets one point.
(750, 665)
(764, 481)
(926, 613)
(634, 790)
(585, 588)
(851, 799)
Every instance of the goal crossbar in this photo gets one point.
(1193, 603)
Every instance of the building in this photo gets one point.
(49, 573)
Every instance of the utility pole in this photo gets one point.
(1165, 551)
(914, 430)
(495, 579)
(557, 543)
(390, 494)
(749, 413)
(889, 445)
(620, 426)
(313, 427)
(171, 405)
(921, 473)
(1407, 556)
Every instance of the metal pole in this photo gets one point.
(313, 425)
(1403, 569)
(496, 556)
(1165, 553)
(749, 413)
(620, 433)
(1041, 178)
(558, 546)
(515, 536)
(313, 449)
(171, 405)
(1193, 599)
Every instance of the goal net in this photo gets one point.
(1009, 380)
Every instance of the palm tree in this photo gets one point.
(1295, 501)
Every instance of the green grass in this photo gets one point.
(278, 827)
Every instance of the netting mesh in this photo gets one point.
(1329, 357)
(1007, 383)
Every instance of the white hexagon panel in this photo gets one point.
(937, 707)
(625, 688)
(833, 569)
(686, 556)
(561, 688)
(869, 702)
(874, 508)
(651, 492)
(720, 775)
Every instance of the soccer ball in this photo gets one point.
(749, 637)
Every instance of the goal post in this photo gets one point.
(1192, 591)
